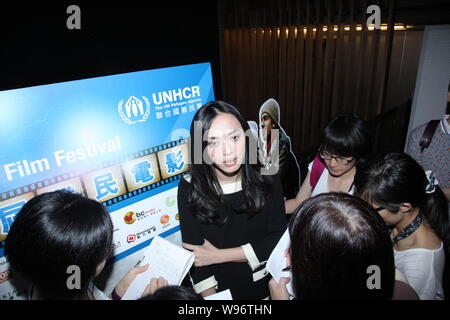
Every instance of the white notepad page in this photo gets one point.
(222, 295)
(277, 261)
(165, 260)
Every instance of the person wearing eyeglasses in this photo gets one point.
(345, 146)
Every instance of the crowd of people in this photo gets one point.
(354, 214)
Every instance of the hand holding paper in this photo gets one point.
(166, 260)
(278, 261)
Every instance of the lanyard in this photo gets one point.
(408, 230)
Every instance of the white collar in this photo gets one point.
(231, 187)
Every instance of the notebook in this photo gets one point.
(277, 261)
(165, 260)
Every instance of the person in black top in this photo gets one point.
(231, 216)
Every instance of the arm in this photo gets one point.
(446, 191)
(302, 195)
(124, 283)
(208, 254)
(413, 148)
(208, 292)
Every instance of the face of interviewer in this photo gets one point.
(226, 143)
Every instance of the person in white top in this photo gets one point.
(410, 201)
(344, 146)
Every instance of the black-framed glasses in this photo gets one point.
(379, 209)
(339, 160)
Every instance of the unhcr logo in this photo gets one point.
(134, 111)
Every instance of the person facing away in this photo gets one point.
(54, 235)
(276, 153)
(344, 147)
(435, 157)
(415, 207)
(340, 249)
(231, 216)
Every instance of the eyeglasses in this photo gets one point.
(339, 160)
(379, 209)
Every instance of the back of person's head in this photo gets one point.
(347, 135)
(394, 178)
(337, 243)
(54, 231)
(173, 293)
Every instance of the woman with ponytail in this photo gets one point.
(411, 202)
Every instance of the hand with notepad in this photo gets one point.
(154, 284)
(166, 260)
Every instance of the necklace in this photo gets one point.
(408, 230)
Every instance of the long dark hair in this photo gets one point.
(394, 178)
(335, 238)
(54, 231)
(347, 135)
(206, 192)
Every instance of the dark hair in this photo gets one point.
(206, 192)
(394, 178)
(173, 293)
(335, 237)
(347, 136)
(56, 230)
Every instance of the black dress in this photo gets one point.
(261, 231)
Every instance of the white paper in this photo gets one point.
(222, 295)
(165, 260)
(277, 261)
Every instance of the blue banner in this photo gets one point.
(121, 140)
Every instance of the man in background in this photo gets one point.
(429, 145)
(276, 153)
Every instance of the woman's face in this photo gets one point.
(226, 143)
(336, 165)
(389, 217)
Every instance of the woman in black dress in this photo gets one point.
(231, 216)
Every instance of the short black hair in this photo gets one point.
(56, 230)
(335, 237)
(173, 293)
(347, 135)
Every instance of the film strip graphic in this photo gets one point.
(117, 180)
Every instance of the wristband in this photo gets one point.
(115, 296)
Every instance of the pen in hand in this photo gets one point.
(288, 268)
